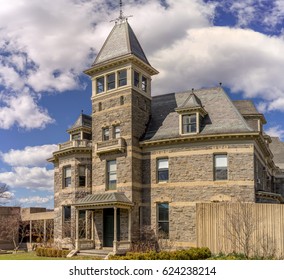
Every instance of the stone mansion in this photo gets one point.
(143, 162)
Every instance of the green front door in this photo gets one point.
(109, 227)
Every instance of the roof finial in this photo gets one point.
(82, 111)
(121, 17)
(121, 12)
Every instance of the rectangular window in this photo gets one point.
(163, 220)
(111, 175)
(220, 167)
(111, 81)
(122, 78)
(82, 176)
(67, 176)
(76, 136)
(66, 221)
(144, 83)
(100, 84)
(105, 134)
(116, 131)
(136, 79)
(189, 124)
(163, 169)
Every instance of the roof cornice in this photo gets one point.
(129, 58)
(199, 137)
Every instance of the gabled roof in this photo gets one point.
(191, 102)
(222, 116)
(104, 199)
(277, 149)
(120, 42)
(82, 121)
(246, 107)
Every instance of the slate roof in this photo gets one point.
(82, 121)
(104, 198)
(223, 116)
(121, 41)
(277, 148)
(246, 107)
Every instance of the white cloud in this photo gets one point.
(47, 47)
(207, 56)
(30, 156)
(36, 200)
(275, 131)
(6, 197)
(37, 178)
(22, 110)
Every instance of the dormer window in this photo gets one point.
(191, 113)
(122, 78)
(111, 81)
(189, 123)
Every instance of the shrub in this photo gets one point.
(51, 252)
(190, 254)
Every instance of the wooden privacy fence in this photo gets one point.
(250, 228)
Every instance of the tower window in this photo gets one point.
(100, 84)
(111, 175)
(189, 124)
(144, 83)
(67, 176)
(82, 176)
(121, 100)
(111, 81)
(116, 131)
(76, 136)
(122, 78)
(105, 134)
(136, 79)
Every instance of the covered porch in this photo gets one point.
(103, 221)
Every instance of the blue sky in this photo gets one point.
(193, 43)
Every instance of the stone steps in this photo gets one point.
(96, 253)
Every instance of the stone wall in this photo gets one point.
(191, 180)
(67, 196)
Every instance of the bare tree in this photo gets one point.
(68, 230)
(42, 236)
(12, 229)
(240, 226)
(4, 193)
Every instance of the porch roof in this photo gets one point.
(103, 200)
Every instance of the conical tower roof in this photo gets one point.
(120, 42)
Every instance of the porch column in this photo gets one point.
(77, 229)
(92, 225)
(115, 231)
(31, 228)
(129, 225)
(92, 228)
(44, 231)
(87, 224)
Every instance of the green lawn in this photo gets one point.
(33, 256)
